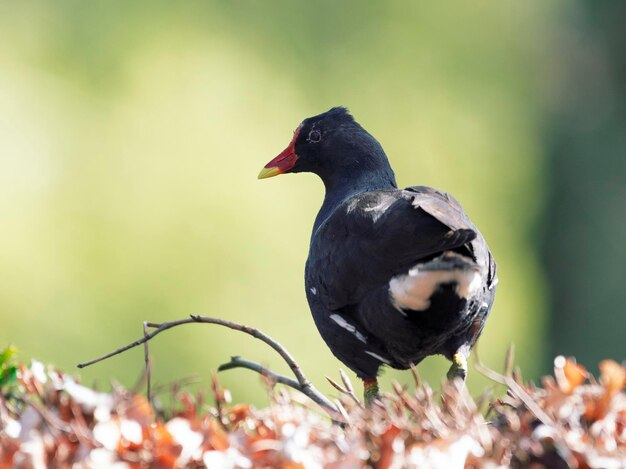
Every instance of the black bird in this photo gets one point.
(393, 275)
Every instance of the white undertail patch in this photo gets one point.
(414, 290)
(341, 322)
(313, 290)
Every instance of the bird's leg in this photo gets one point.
(459, 367)
(370, 390)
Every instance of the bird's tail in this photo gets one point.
(414, 290)
(417, 310)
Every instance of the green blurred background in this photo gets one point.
(131, 134)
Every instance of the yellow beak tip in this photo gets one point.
(269, 172)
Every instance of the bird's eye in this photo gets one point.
(314, 136)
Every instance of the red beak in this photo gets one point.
(283, 162)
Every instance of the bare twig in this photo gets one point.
(301, 383)
(342, 411)
(509, 361)
(416, 375)
(257, 334)
(308, 390)
(346, 381)
(53, 420)
(219, 398)
(348, 390)
(146, 353)
(510, 382)
(409, 403)
(238, 362)
(166, 387)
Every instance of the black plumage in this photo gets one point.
(393, 275)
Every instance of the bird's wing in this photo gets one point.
(376, 235)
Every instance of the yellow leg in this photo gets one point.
(458, 368)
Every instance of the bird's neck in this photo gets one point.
(342, 185)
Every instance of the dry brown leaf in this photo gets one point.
(139, 409)
(387, 452)
(292, 465)
(238, 412)
(422, 425)
(613, 376)
(165, 451)
(215, 437)
(569, 375)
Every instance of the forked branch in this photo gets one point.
(301, 383)
(307, 389)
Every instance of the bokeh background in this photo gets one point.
(131, 134)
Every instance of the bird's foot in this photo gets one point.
(370, 391)
(458, 368)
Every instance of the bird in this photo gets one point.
(392, 275)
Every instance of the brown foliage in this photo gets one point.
(49, 420)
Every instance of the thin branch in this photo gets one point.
(348, 390)
(509, 360)
(346, 381)
(220, 399)
(238, 362)
(257, 334)
(53, 420)
(301, 383)
(416, 376)
(510, 382)
(146, 353)
(343, 412)
(308, 389)
(165, 387)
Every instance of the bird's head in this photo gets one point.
(329, 144)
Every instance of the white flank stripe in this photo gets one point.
(348, 327)
(377, 357)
